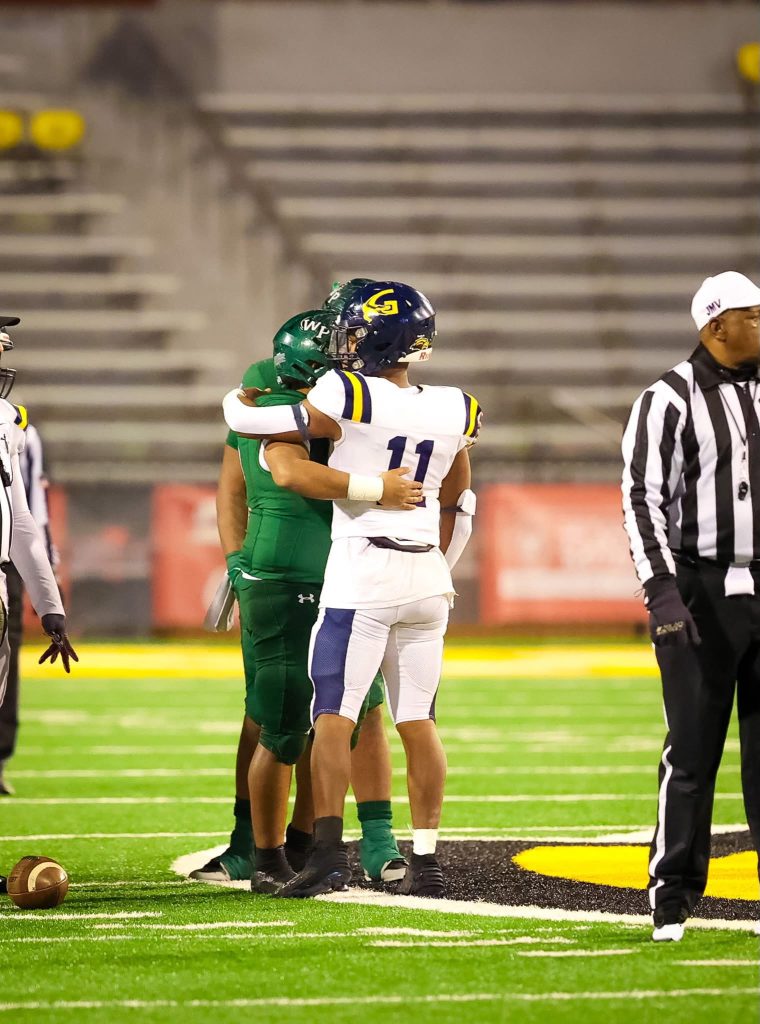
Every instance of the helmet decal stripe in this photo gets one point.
(348, 408)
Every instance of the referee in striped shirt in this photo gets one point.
(691, 498)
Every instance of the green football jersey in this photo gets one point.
(288, 537)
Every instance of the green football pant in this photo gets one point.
(276, 621)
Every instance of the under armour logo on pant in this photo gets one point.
(303, 598)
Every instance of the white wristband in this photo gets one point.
(364, 488)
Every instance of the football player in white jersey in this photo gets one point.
(21, 540)
(388, 589)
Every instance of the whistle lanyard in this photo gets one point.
(743, 393)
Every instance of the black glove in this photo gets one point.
(670, 622)
(55, 627)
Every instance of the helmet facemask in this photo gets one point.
(7, 375)
(343, 345)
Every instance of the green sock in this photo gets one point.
(241, 840)
(376, 819)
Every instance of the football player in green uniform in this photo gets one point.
(276, 544)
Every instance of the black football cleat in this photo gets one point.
(270, 881)
(423, 877)
(327, 870)
(3, 883)
(270, 871)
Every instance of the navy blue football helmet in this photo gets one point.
(381, 324)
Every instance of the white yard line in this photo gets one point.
(41, 836)
(484, 909)
(576, 952)
(122, 773)
(454, 798)
(206, 926)
(381, 1000)
(69, 938)
(183, 883)
(520, 940)
(179, 773)
(718, 963)
(42, 916)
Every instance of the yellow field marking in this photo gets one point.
(177, 660)
(732, 877)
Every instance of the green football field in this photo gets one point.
(126, 766)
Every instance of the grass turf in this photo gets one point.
(128, 765)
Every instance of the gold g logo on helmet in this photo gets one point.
(375, 307)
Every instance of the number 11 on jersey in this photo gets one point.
(397, 447)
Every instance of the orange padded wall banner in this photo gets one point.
(555, 553)
(187, 560)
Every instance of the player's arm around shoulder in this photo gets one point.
(292, 469)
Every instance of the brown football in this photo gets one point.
(37, 883)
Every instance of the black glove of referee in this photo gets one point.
(55, 627)
(670, 621)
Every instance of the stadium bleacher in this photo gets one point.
(95, 311)
(558, 236)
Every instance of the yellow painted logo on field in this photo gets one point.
(374, 307)
(733, 877)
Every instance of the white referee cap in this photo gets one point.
(730, 290)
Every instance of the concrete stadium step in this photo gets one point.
(679, 144)
(383, 255)
(314, 106)
(57, 252)
(555, 323)
(36, 363)
(450, 288)
(145, 396)
(451, 365)
(618, 398)
(487, 215)
(44, 286)
(128, 434)
(91, 326)
(135, 471)
(376, 178)
(88, 284)
(63, 204)
(579, 207)
(29, 174)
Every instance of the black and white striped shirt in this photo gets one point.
(691, 477)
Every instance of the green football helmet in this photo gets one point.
(341, 292)
(300, 349)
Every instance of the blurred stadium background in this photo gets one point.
(177, 177)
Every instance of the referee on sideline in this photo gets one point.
(31, 463)
(691, 498)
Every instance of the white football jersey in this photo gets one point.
(12, 440)
(384, 427)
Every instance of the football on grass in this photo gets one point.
(38, 883)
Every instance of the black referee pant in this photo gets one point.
(698, 686)
(9, 707)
